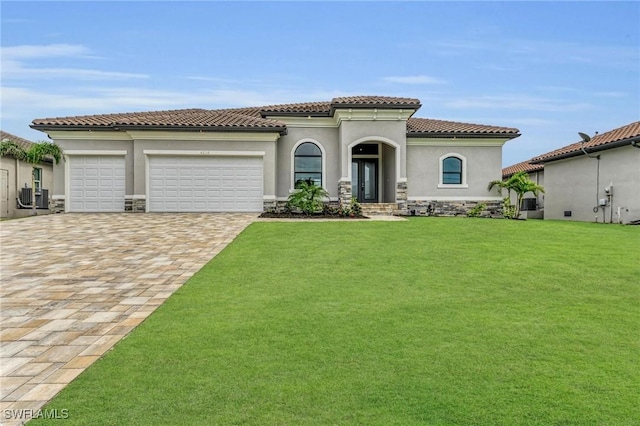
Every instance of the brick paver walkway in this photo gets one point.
(73, 285)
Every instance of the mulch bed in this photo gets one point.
(304, 216)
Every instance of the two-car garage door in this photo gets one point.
(205, 184)
(175, 183)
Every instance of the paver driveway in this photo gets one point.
(75, 284)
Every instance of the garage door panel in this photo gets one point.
(207, 184)
(96, 184)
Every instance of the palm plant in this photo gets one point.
(34, 156)
(307, 197)
(520, 184)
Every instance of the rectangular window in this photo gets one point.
(37, 178)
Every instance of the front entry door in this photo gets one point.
(364, 179)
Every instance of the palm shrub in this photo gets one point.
(520, 184)
(307, 197)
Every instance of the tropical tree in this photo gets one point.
(34, 155)
(520, 184)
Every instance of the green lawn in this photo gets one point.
(428, 321)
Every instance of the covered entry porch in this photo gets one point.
(373, 175)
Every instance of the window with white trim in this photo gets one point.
(307, 164)
(453, 171)
(37, 179)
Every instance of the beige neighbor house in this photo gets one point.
(532, 206)
(594, 181)
(249, 159)
(16, 181)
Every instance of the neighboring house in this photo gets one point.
(598, 180)
(15, 182)
(249, 159)
(532, 206)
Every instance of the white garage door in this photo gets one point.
(205, 184)
(96, 183)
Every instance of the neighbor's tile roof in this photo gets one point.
(185, 118)
(429, 127)
(23, 143)
(610, 139)
(524, 166)
(254, 118)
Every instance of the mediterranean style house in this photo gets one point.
(249, 159)
(16, 181)
(594, 180)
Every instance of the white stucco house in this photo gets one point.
(16, 182)
(593, 181)
(249, 159)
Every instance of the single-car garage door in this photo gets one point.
(96, 183)
(205, 184)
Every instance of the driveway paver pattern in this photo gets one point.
(73, 285)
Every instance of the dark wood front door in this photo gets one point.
(364, 179)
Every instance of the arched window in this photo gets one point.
(452, 171)
(307, 164)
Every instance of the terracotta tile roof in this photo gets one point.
(326, 108)
(311, 108)
(193, 119)
(375, 101)
(23, 143)
(422, 127)
(617, 137)
(524, 166)
(254, 118)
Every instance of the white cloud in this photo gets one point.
(43, 51)
(414, 79)
(15, 66)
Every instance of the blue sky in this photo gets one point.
(550, 69)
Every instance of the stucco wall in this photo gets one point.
(483, 165)
(326, 138)
(571, 186)
(388, 132)
(17, 178)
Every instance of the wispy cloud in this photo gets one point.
(29, 51)
(537, 51)
(16, 59)
(522, 102)
(414, 79)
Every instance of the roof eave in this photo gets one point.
(123, 127)
(414, 107)
(588, 150)
(461, 135)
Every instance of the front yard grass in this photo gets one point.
(429, 321)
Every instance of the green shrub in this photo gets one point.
(308, 198)
(477, 210)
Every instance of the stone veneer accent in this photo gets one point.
(401, 195)
(451, 208)
(344, 192)
(135, 205)
(56, 205)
